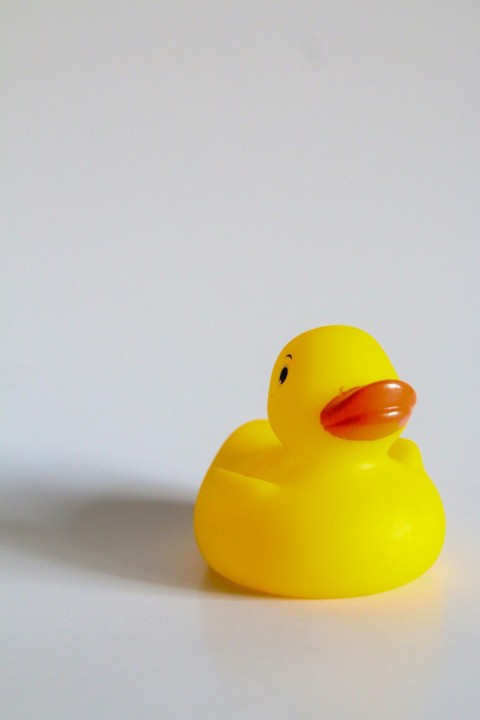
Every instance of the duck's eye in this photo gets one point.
(283, 375)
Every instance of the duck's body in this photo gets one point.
(332, 518)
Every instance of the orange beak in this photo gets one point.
(369, 412)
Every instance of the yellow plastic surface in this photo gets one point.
(301, 504)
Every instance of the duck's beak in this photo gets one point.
(369, 412)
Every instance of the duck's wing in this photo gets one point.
(406, 452)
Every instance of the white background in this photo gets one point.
(187, 186)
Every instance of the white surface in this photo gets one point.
(188, 185)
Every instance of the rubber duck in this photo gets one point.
(323, 499)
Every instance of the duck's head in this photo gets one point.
(335, 385)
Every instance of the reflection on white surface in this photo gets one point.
(355, 658)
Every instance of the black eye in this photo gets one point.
(283, 375)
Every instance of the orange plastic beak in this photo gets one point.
(369, 412)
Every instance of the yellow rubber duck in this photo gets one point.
(323, 500)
